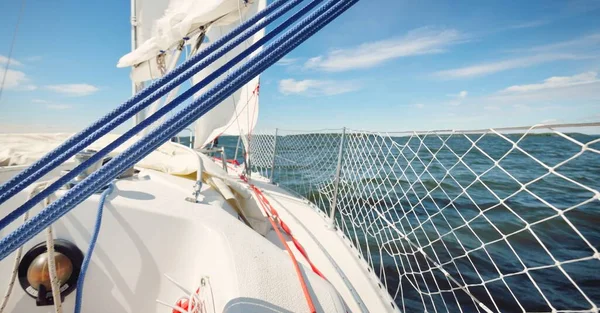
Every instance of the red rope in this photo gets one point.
(272, 215)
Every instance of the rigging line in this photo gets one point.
(233, 94)
(237, 121)
(241, 21)
(11, 48)
(257, 93)
(237, 114)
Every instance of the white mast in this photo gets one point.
(135, 87)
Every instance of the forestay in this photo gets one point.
(237, 115)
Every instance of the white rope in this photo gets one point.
(15, 269)
(197, 300)
(440, 216)
(55, 283)
(14, 273)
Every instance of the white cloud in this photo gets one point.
(588, 41)
(39, 101)
(499, 66)
(73, 89)
(310, 87)
(58, 106)
(458, 98)
(553, 90)
(287, 61)
(419, 105)
(556, 82)
(4, 60)
(16, 80)
(531, 24)
(491, 108)
(34, 58)
(416, 42)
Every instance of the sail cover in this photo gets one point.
(237, 115)
(161, 27)
(162, 24)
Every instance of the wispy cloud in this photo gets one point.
(577, 44)
(531, 24)
(77, 90)
(491, 108)
(419, 105)
(503, 65)
(558, 89)
(4, 60)
(50, 105)
(58, 106)
(33, 58)
(310, 87)
(287, 61)
(458, 98)
(417, 42)
(556, 82)
(16, 80)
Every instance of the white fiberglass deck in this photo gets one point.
(150, 230)
(330, 252)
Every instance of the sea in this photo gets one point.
(512, 221)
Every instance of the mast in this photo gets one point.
(135, 87)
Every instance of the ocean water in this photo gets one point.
(462, 201)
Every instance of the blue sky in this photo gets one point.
(385, 65)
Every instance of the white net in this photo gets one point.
(496, 220)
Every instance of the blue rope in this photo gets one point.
(90, 251)
(12, 216)
(130, 107)
(267, 57)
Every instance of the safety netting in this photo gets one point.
(492, 220)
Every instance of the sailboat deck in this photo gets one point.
(332, 253)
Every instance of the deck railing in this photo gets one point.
(491, 220)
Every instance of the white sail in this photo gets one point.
(160, 30)
(163, 24)
(237, 115)
(161, 27)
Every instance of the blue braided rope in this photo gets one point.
(130, 107)
(90, 251)
(274, 52)
(12, 216)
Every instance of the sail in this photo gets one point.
(237, 115)
(161, 25)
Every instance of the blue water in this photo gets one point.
(413, 190)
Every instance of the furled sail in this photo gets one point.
(162, 27)
(237, 115)
(157, 33)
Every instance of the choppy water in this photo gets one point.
(412, 188)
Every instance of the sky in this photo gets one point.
(385, 65)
